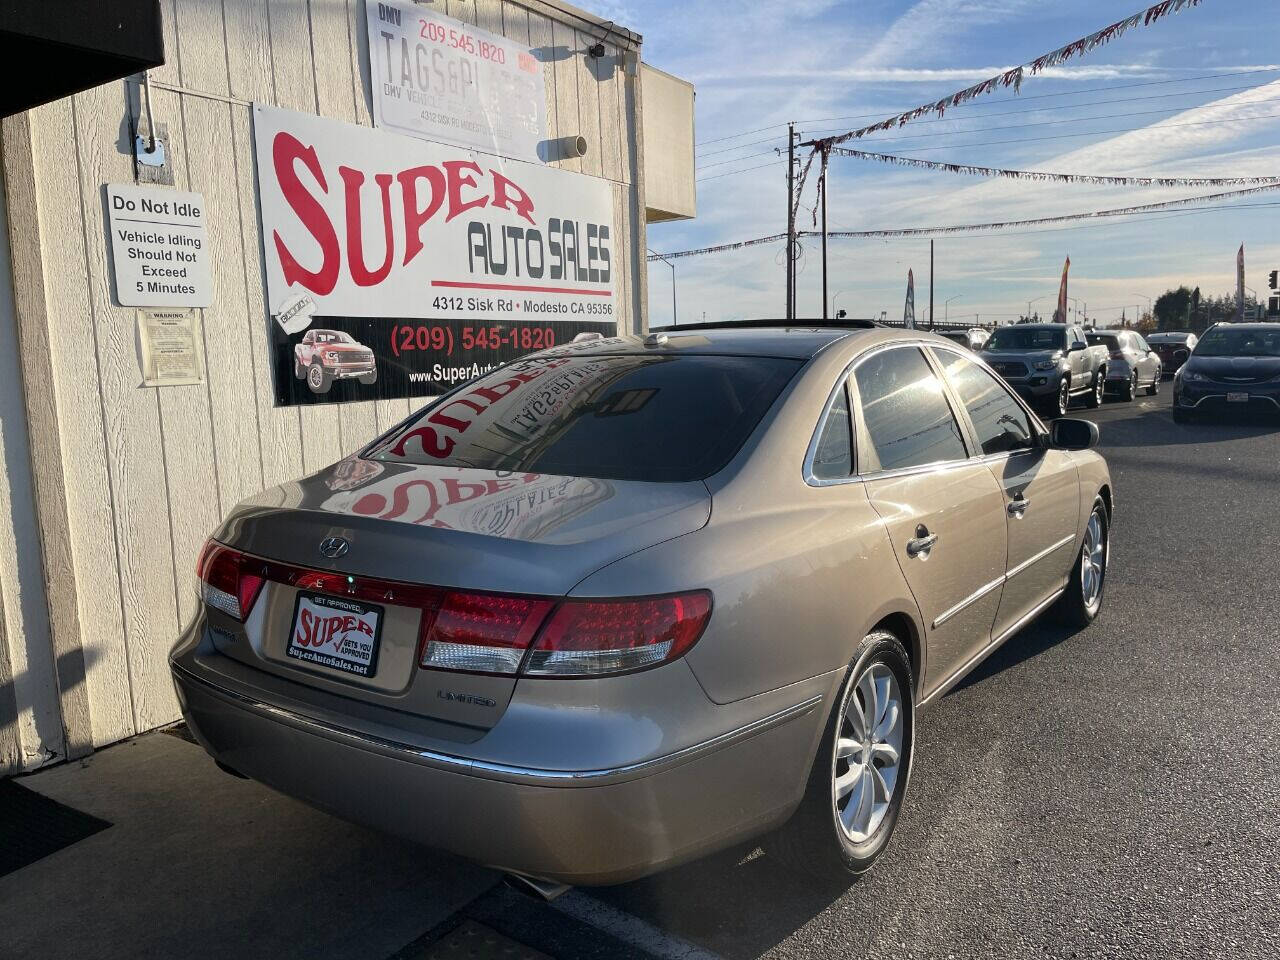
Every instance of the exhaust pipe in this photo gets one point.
(535, 887)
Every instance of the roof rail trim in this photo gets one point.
(800, 324)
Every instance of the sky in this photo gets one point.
(1197, 94)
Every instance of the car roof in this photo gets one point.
(1256, 327)
(755, 339)
(1036, 326)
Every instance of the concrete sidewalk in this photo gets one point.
(200, 864)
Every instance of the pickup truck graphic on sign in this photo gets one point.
(327, 355)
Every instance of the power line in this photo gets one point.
(1160, 207)
(1010, 113)
(1060, 136)
(1021, 126)
(1021, 99)
(1086, 133)
(1014, 77)
(730, 173)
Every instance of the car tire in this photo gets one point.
(318, 380)
(1097, 390)
(1086, 584)
(1154, 389)
(369, 378)
(816, 840)
(1060, 402)
(1130, 389)
(299, 371)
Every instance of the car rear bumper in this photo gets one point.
(583, 827)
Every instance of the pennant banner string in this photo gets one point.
(976, 171)
(975, 227)
(1013, 78)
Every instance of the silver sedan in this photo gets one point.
(629, 601)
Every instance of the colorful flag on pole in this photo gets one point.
(1060, 315)
(909, 309)
(1240, 285)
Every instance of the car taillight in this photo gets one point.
(487, 633)
(594, 637)
(482, 633)
(225, 583)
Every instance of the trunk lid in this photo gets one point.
(406, 525)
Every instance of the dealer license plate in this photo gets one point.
(336, 632)
(1237, 398)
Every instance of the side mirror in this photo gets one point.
(1078, 346)
(1068, 434)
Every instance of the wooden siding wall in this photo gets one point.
(148, 473)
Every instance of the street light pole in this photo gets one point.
(674, 318)
(946, 307)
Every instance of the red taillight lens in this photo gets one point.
(225, 583)
(594, 637)
(482, 633)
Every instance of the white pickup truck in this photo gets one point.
(1049, 364)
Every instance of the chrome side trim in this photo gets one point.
(1032, 561)
(497, 771)
(972, 598)
(982, 654)
(1000, 581)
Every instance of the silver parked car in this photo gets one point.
(1134, 365)
(625, 602)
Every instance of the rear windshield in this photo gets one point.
(1103, 340)
(1027, 338)
(1227, 342)
(630, 417)
(1168, 338)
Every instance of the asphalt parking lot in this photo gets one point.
(1112, 792)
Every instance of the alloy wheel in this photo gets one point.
(315, 377)
(868, 754)
(1093, 561)
(1064, 398)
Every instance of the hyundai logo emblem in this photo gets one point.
(334, 547)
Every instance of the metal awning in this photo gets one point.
(57, 49)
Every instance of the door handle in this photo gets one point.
(922, 543)
(1017, 507)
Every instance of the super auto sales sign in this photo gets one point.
(399, 267)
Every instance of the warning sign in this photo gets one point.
(159, 247)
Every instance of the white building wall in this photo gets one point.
(30, 720)
(142, 475)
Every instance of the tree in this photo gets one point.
(1145, 324)
(1171, 308)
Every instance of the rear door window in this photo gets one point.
(908, 419)
(613, 417)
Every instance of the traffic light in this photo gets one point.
(1273, 280)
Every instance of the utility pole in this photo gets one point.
(930, 283)
(825, 306)
(674, 319)
(791, 221)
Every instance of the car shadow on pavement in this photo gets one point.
(1037, 638)
(740, 903)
